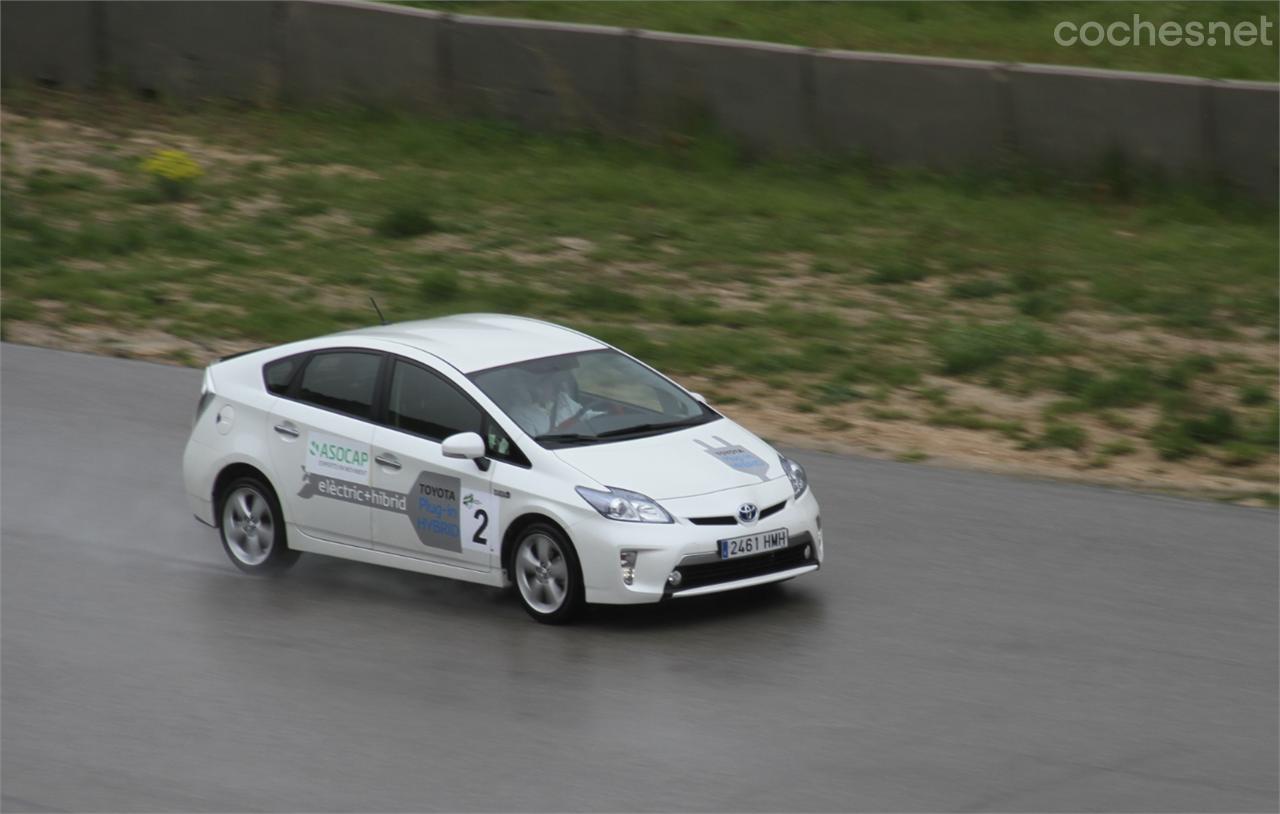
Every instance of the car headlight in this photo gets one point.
(619, 504)
(795, 474)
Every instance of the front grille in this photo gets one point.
(772, 510)
(717, 520)
(718, 571)
(730, 520)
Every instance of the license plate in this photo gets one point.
(750, 544)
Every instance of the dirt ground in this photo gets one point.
(856, 433)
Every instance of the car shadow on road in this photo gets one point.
(775, 601)
(351, 588)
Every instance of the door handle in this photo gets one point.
(388, 460)
(287, 430)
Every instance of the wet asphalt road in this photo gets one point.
(973, 643)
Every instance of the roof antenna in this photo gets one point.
(379, 310)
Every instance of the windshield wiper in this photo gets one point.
(659, 425)
(559, 437)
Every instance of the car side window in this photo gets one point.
(425, 404)
(499, 445)
(344, 381)
(278, 374)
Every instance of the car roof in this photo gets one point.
(472, 342)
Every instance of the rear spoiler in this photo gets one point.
(238, 355)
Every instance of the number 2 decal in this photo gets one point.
(478, 512)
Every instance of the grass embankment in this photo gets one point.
(1009, 31)
(994, 322)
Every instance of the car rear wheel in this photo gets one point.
(252, 528)
(547, 575)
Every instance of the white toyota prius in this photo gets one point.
(493, 449)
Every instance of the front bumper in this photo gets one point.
(694, 550)
(708, 574)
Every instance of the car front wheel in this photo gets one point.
(547, 575)
(252, 528)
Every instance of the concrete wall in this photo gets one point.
(942, 113)
(341, 52)
(761, 95)
(50, 43)
(191, 49)
(1243, 140)
(540, 74)
(1068, 118)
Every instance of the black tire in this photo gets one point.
(251, 527)
(555, 598)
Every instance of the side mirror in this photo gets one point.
(465, 445)
(701, 398)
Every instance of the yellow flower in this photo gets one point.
(174, 166)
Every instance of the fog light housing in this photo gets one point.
(674, 579)
(627, 559)
(808, 552)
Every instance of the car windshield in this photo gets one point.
(589, 398)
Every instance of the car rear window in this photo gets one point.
(278, 374)
(341, 380)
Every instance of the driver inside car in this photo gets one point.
(545, 406)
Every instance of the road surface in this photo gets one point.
(973, 643)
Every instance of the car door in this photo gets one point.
(444, 510)
(321, 436)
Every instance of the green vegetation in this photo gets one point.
(1066, 436)
(405, 221)
(970, 419)
(975, 289)
(971, 347)
(440, 285)
(834, 293)
(1006, 31)
(888, 414)
(900, 270)
(1127, 387)
(1239, 453)
(1172, 441)
(44, 181)
(1255, 394)
(1218, 427)
(174, 173)
(1117, 448)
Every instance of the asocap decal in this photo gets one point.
(337, 457)
(737, 456)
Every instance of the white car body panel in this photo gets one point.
(472, 342)
(332, 520)
(302, 542)
(704, 471)
(681, 463)
(417, 456)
